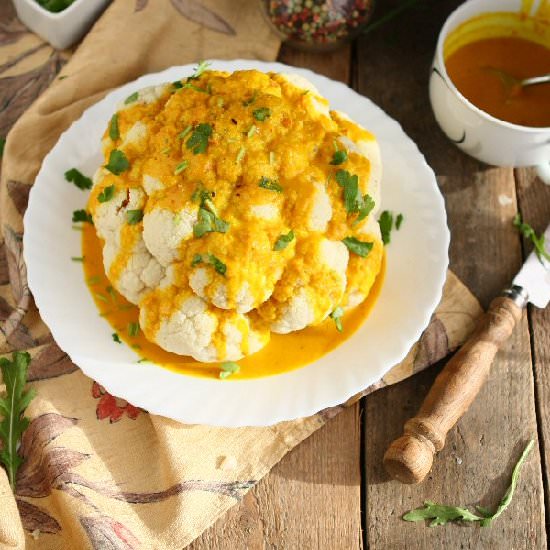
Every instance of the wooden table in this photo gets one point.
(331, 491)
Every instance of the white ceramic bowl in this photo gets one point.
(61, 29)
(416, 266)
(474, 131)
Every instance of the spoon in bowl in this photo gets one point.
(512, 85)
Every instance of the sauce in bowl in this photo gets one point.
(481, 71)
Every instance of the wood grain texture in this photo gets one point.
(312, 498)
(409, 458)
(475, 466)
(534, 202)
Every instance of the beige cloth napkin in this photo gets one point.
(99, 472)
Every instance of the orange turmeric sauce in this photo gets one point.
(479, 70)
(283, 353)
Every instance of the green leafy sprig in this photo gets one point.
(12, 409)
(441, 514)
(529, 233)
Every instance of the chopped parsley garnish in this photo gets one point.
(78, 178)
(336, 316)
(82, 216)
(116, 338)
(361, 248)
(177, 84)
(261, 114)
(283, 241)
(386, 222)
(114, 132)
(133, 329)
(252, 131)
(399, 221)
(107, 194)
(77, 259)
(198, 142)
(181, 167)
(118, 162)
(182, 134)
(201, 67)
(208, 220)
(210, 259)
(339, 157)
(228, 368)
(354, 202)
(131, 98)
(529, 233)
(251, 100)
(133, 217)
(270, 184)
(241, 153)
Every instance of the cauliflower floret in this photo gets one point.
(144, 96)
(195, 328)
(310, 290)
(321, 210)
(164, 231)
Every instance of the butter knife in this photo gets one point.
(410, 457)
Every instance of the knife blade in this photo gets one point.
(534, 276)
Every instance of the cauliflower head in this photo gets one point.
(234, 205)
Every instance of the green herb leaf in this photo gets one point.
(78, 259)
(198, 142)
(358, 247)
(283, 241)
(365, 209)
(336, 316)
(442, 514)
(133, 217)
(94, 280)
(270, 184)
(12, 409)
(218, 265)
(182, 134)
(107, 194)
(177, 84)
(133, 329)
(181, 167)
(386, 221)
(78, 178)
(529, 233)
(353, 201)
(118, 162)
(201, 67)
(131, 98)
(114, 133)
(240, 154)
(339, 157)
(399, 221)
(207, 219)
(82, 216)
(251, 100)
(261, 114)
(116, 338)
(252, 131)
(228, 368)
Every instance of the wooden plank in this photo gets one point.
(534, 202)
(475, 465)
(312, 498)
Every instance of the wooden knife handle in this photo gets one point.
(409, 458)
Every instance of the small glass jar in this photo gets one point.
(317, 25)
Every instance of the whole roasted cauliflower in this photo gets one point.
(235, 205)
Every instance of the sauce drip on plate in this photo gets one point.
(283, 353)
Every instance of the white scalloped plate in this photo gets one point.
(415, 273)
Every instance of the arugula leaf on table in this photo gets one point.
(529, 233)
(441, 514)
(12, 409)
